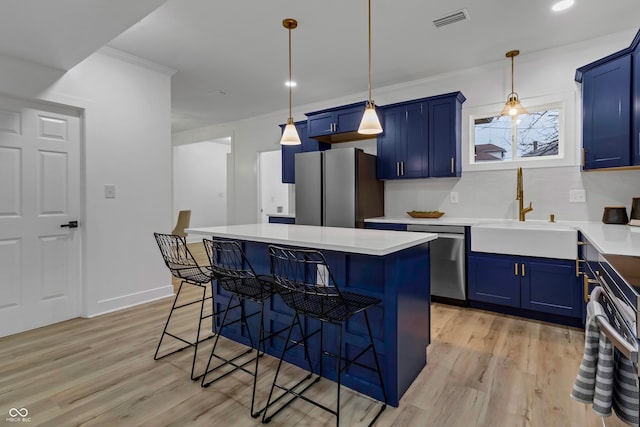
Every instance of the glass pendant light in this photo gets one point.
(370, 124)
(290, 134)
(513, 107)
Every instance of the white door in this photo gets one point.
(40, 260)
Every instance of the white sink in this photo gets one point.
(528, 238)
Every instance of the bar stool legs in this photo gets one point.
(343, 365)
(197, 341)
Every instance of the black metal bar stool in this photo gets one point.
(305, 283)
(183, 265)
(234, 273)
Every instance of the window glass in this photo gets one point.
(507, 138)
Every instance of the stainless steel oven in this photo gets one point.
(448, 262)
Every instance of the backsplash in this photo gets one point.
(492, 194)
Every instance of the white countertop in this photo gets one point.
(352, 240)
(609, 239)
(282, 215)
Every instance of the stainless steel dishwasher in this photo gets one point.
(448, 262)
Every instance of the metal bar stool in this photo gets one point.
(234, 273)
(305, 283)
(183, 265)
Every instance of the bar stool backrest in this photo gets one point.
(178, 258)
(305, 282)
(233, 271)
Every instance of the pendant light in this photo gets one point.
(290, 134)
(513, 107)
(370, 124)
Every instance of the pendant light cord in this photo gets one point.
(512, 85)
(369, 36)
(290, 82)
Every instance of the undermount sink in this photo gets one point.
(528, 238)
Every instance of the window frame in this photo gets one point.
(568, 143)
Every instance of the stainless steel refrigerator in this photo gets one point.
(337, 188)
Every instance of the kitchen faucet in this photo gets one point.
(522, 211)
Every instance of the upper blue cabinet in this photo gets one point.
(289, 151)
(611, 109)
(338, 124)
(421, 138)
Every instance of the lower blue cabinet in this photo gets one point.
(492, 279)
(385, 226)
(536, 284)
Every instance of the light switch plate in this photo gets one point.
(109, 191)
(453, 197)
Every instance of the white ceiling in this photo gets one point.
(231, 57)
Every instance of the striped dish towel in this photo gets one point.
(597, 382)
(626, 399)
(594, 382)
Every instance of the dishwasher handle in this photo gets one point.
(450, 236)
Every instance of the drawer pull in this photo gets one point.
(522, 270)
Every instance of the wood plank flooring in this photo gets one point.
(483, 369)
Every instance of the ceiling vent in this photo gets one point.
(457, 16)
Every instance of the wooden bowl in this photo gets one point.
(425, 214)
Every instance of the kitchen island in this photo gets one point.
(385, 264)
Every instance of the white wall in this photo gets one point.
(274, 195)
(481, 194)
(200, 182)
(127, 116)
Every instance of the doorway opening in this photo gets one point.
(200, 181)
(273, 195)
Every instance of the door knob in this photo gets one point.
(70, 224)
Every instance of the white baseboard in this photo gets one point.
(131, 300)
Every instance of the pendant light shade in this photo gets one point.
(513, 107)
(370, 123)
(290, 134)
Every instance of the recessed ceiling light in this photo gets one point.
(290, 84)
(562, 5)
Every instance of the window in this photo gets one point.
(508, 138)
(546, 137)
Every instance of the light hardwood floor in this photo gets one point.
(483, 369)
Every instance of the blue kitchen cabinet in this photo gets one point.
(421, 138)
(402, 150)
(492, 279)
(606, 114)
(635, 103)
(536, 284)
(289, 151)
(611, 109)
(551, 286)
(281, 220)
(445, 135)
(338, 124)
(385, 226)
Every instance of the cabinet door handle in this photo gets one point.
(397, 168)
(452, 165)
(578, 272)
(585, 288)
(515, 268)
(522, 274)
(402, 167)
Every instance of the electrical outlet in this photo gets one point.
(453, 197)
(109, 191)
(577, 196)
